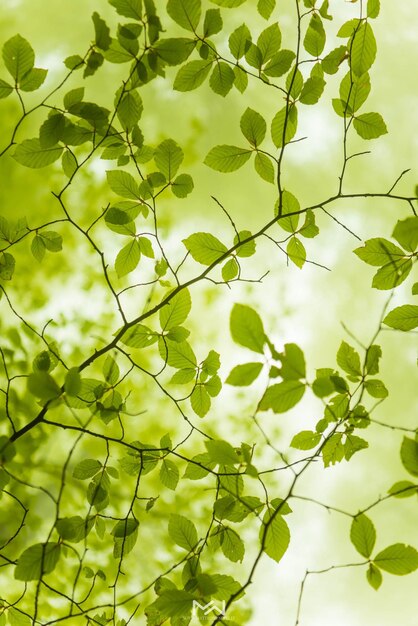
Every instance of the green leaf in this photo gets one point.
(373, 356)
(129, 109)
(182, 185)
(169, 474)
(192, 75)
(125, 535)
(72, 383)
(205, 248)
(36, 561)
(406, 233)
(296, 252)
(123, 184)
(264, 167)
(86, 469)
(269, 42)
(280, 63)
(283, 396)
(102, 32)
(5, 89)
(363, 49)
(139, 336)
(253, 127)
(128, 8)
(174, 603)
(239, 41)
(185, 13)
(276, 537)
(354, 91)
(376, 388)
(373, 8)
(247, 328)
(18, 56)
(221, 452)
(363, 535)
(403, 317)
(284, 125)
(314, 40)
(293, 362)
(379, 251)
(31, 153)
(392, 274)
(232, 545)
(174, 51)
(43, 386)
(178, 355)
(374, 576)
(244, 375)
(398, 559)
(75, 528)
(200, 400)
(226, 158)
(33, 79)
(306, 440)
(127, 258)
(266, 8)
(409, 455)
(222, 78)
(7, 265)
(403, 489)
(168, 157)
(176, 311)
(183, 532)
(370, 125)
(348, 359)
(213, 22)
(230, 270)
(312, 90)
(332, 61)
(248, 248)
(15, 617)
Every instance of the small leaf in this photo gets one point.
(264, 167)
(183, 532)
(314, 40)
(406, 233)
(176, 311)
(348, 359)
(244, 375)
(5, 89)
(205, 248)
(398, 559)
(286, 118)
(18, 56)
(221, 452)
(168, 157)
(186, 13)
(222, 78)
(192, 75)
(409, 455)
(276, 537)
(363, 49)
(227, 158)
(296, 252)
(253, 127)
(363, 535)
(374, 576)
(36, 561)
(379, 251)
(200, 400)
(123, 184)
(306, 440)
(239, 41)
(232, 545)
(283, 396)
(182, 185)
(247, 328)
(169, 474)
(376, 388)
(86, 469)
(127, 258)
(230, 270)
(370, 125)
(31, 153)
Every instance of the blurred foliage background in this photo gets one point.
(307, 306)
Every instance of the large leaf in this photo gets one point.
(283, 396)
(183, 532)
(205, 248)
(31, 153)
(247, 328)
(18, 56)
(363, 535)
(36, 561)
(397, 559)
(227, 158)
(185, 12)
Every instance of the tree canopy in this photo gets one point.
(193, 198)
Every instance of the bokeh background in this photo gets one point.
(307, 307)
